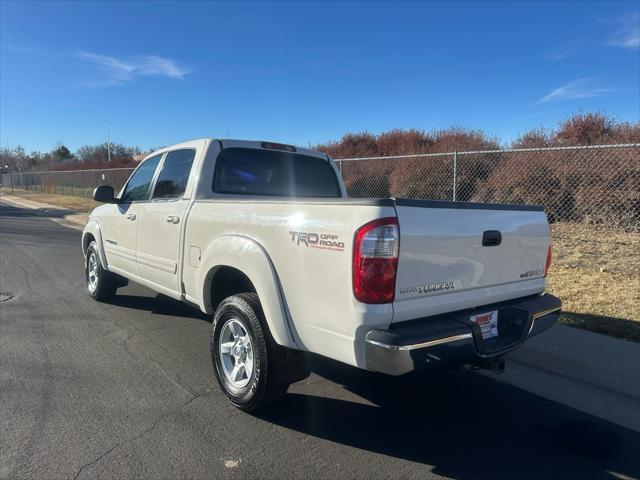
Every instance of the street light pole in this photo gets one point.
(10, 176)
(108, 143)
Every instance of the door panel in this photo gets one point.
(161, 224)
(120, 237)
(159, 242)
(120, 229)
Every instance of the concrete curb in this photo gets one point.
(64, 216)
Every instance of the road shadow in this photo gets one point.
(616, 327)
(158, 304)
(464, 425)
(33, 226)
(16, 211)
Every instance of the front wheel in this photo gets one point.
(100, 284)
(244, 355)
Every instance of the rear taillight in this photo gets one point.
(548, 264)
(375, 261)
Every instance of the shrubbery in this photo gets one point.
(61, 158)
(592, 185)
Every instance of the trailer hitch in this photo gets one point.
(495, 365)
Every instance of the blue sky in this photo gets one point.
(308, 72)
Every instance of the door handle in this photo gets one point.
(173, 219)
(131, 216)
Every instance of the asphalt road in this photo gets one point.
(125, 390)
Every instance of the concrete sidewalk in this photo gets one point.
(64, 216)
(590, 372)
(587, 371)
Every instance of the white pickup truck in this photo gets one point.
(263, 237)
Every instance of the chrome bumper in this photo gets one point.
(453, 338)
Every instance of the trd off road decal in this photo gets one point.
(323, 241)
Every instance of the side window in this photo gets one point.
(174, 175)
(138, 185)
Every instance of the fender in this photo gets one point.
(248, 256)
(93, 227)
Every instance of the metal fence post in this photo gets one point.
(455, 173)
(11, 180)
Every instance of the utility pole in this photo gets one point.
(108, 143)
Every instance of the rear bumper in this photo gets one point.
(454, 339)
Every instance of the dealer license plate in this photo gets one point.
(488, 323)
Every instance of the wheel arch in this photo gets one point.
(234, 261)
(90, 233)
(227, 281)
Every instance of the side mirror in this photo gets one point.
(104, 194)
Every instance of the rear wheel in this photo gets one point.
(244, 355)
(100, 283)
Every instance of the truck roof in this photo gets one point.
(257, 144)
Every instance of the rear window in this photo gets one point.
(246, 171)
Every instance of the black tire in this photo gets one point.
(263, 387)
(105, 284)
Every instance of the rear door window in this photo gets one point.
(174, 175)
(247, 171)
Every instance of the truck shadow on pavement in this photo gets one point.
(159, 305)
(465, 425)
(462, 426)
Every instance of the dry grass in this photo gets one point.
(79, 204)
(596, 273)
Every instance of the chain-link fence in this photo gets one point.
(79, 183)
(594, 184)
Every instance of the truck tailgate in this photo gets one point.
(463, 255)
